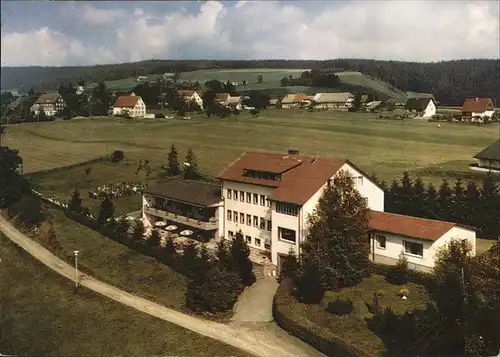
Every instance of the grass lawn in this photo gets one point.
(368, 82)
(482, 245)
(118, 265)
(42, 317)
(353, 328)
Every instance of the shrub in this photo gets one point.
(340, 307)
(159, 116)
(117, 156)
(404, 292)
(399, 273)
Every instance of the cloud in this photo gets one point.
(406, 30)
(91, 15)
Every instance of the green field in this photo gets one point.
(42, 317)
(370, 83)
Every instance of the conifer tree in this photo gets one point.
(490, 211)
(139, 231)
(444, 200)
(191, 171)
(240, 251)
(121, 230)
(458, 207)
(337, 241)
(406, 194)
(173, 167)
(430, 202)
(75, 202)
(154, 238)
(418, 198)
(106, 211)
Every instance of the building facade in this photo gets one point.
(50, 104)
(131, 105)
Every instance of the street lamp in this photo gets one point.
(76, 268)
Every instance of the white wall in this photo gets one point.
(487, 113)
(495, 164)
(280, 246)
(246, 208)
(368, 189)
(430, 110)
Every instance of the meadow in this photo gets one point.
(43, 317)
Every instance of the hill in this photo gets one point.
(449, 81)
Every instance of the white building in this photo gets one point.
(50, 103)
(422, 108)
(418, 239)
(191, 96)
(339, 101)
(132, 105)
(269, 196)
(489, 158)
(478, 107)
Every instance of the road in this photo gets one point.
(254, 340)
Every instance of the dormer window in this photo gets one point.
(264, 175)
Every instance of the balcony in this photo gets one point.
(211, 224)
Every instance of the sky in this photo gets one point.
(86, 33)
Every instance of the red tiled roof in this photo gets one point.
(126, 101)
(477, 105)
(301, 176)
(222, 96)
(414, 227)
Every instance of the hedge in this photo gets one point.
(416, 277)
(320, 338)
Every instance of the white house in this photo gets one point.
(489, 158)
(478, 107)
(191, 96)
(132, 105)
(50, 103)
(340, 101)
(226, 100)
(417, 239)
(421, 107)
(269, 196)
(295, 100)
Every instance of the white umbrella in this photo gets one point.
(186, 232)
(171, 228)
(160, 224)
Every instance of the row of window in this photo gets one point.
(256, 241)
(409, 247)
(286, 208)
(248, 196)
(256, 221)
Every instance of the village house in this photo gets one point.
(339, 101)
(489, 158)
(191, 96)
(477, 107)
(131, 105)
(422, 108)
(268, 197)
(417, 239)
(49, 103)
(226, 100)
(194, 206)
(373, 106)
(295, 100)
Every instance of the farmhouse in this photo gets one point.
(294, 100)
(191, 205)
(418, 239)
(489, 158)
(373, 106)
(477, 107)
(421, 107)
(49, 103)
(132, 105)
(191, 96)
(226, 100)
(268, 197)
(339, 101)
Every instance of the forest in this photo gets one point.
(449, 81)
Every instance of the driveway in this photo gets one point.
(256, 341)
(255, 304)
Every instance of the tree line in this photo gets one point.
(464, 203)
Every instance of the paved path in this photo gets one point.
(255, 304)
(256, 341)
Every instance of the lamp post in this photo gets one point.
(76, 268)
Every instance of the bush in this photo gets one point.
(398, 274)
(340, 307)
(404, 292)
(159, 116)
(117, 156)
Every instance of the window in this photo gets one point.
(267, 246)
(413, 248)
(242, 196)
(230, 234)
(249, 219)
(257, 242)
(262, 200)
(381, 240)
(242, 218)
(269, 226)
(268, 203)
(255, 199)
(235, 195)
(229, 194)
(235, 216)
(249, 197)
(248, 239)
(286, 208)
(262, 223)
(255, 221)
(286, 234)
(229, 215)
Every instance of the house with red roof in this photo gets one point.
(477, 107)
(131, 105)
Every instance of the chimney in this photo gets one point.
(293, 151)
